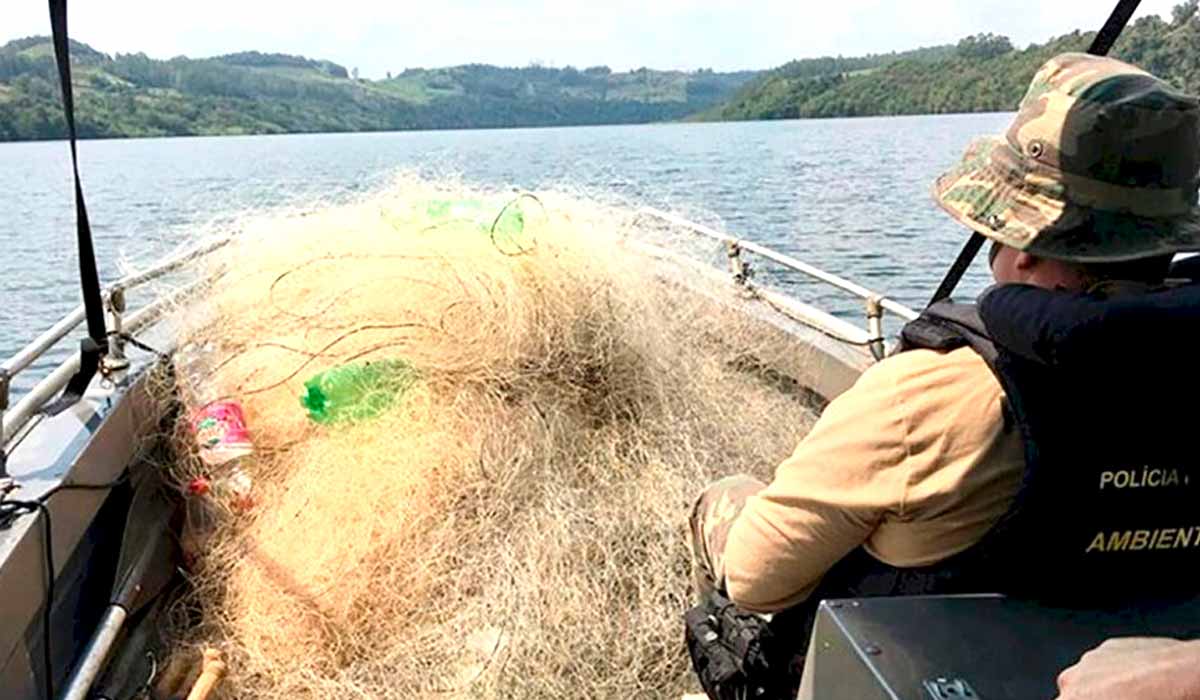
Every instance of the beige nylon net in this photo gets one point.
(515, 526)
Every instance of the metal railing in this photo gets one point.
(12, 420)
(30, 404)
(876, 304)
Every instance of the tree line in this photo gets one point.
(981, 73)
(256, 93)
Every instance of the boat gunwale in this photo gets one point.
(13, 418)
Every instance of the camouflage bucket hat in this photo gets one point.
(1101, 164)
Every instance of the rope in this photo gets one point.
(139, 344)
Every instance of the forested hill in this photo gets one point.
(256, 93)
(982, 73)
(773, 94)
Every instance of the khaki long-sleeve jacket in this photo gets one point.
(915, 462)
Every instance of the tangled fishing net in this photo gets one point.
(514, 524)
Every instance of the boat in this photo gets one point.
(102, 507)
(89, 535)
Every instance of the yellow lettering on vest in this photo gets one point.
(1139, 540)
(1154, 477)
(1105, 479)
(1121, 479)
(1172, 478)
(1118, 541)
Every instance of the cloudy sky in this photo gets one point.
(377, 36)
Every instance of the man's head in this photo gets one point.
(1012, 266)
(1100, 169)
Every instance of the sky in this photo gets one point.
(378, 37)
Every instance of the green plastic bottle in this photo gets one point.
(356, 391)
(510, 223)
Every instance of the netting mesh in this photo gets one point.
(515, 525)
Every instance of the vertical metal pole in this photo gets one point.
(115, 360)
(875, 327)
(741, 273)
(5, 383)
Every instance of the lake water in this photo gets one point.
(848, 195)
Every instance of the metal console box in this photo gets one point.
(964, 647)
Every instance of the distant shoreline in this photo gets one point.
(681, 122)
(257, 94)
(252, 93)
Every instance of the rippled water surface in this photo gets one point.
(849, 195)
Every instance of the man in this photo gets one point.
(938, 470)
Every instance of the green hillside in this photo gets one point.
(773, 94)
(982, 73)
(256, 93)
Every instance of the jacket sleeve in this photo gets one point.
(828, 497)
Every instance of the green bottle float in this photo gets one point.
(356, 391)
(505, 220)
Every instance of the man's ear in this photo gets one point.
(1026, 262)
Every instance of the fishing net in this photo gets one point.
(513, 524)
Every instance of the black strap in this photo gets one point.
(1107, 36)
(965, 257)
(93, 348)
(1100, 45)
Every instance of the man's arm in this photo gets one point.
(825, 500)
(1135, 668)
(913, 461)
